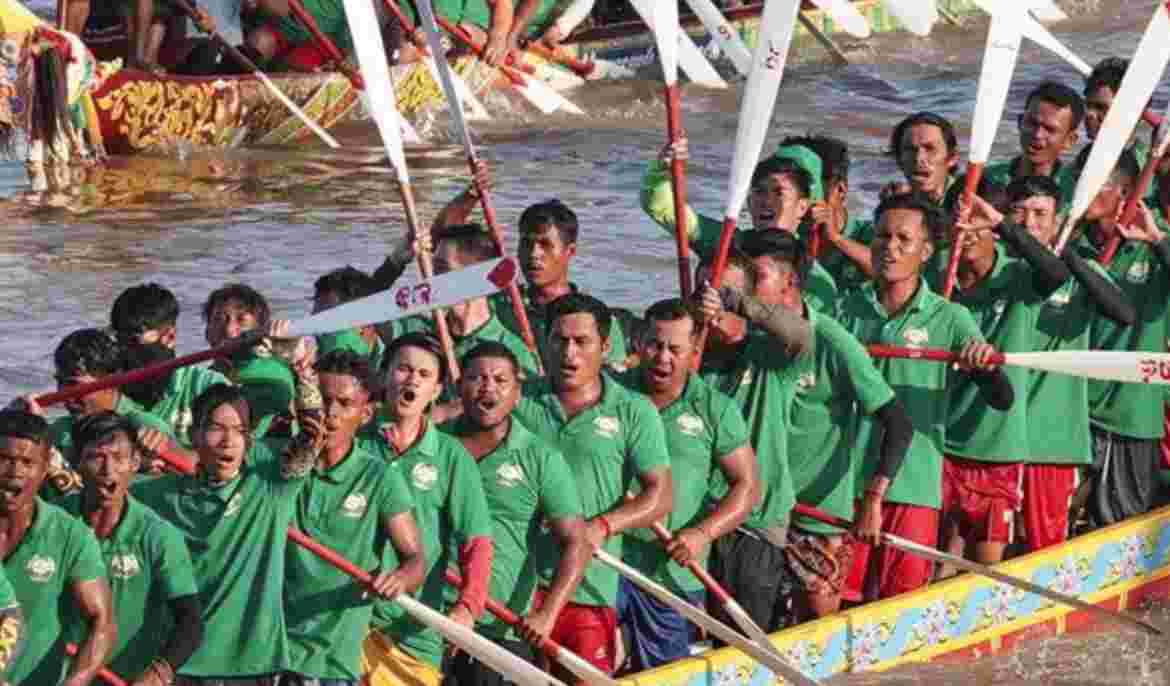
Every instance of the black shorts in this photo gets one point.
(464, 670)
(1123, 477)
(757, 575)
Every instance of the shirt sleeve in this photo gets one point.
(86, 562)
(869, 386)
(466, 502)
(647, 438)
(731, 432)
(172, 564)
(7, 593)
(964, 326)
(396, 496)
(558, 492)
(658, 203)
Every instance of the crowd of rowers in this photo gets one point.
(516, 471)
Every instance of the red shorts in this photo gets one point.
(302, 57)
(1166, 437)
(888, 571)
(982, 497)
(590, 631)
(1048, 491)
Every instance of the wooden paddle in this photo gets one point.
(983, 570)
(1133, 201)
(1105, 365)
(1141, 78)
(103, 673)
(690, 58)
(724, 34)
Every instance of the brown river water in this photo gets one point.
(277, 219)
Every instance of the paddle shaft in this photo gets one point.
(104, 674)
(580, 68)
(974, 175)
(717, 267)
(678, 184)
(464, 37)
(325, 43)
(1132, 204)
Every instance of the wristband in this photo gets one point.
(605, 523)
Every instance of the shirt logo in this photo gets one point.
(233, 506)
(509, 475)
(999, 307)
(424, 476)
(40, 568)
(354, 506)
(746, 378)
(181, 420)
(690, 425)
(1138, 272)
(124, 566)
(1060, 298)
(916, 337)
(806, 381)
(607, 427)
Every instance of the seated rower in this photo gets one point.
(280, 37)
(148, 34)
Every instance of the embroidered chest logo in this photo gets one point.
(181, 420)
(999, 306)
(607, 427)
(233, 506)
(806, 381)
(746, 378)
(124, 566)
(1138, 272)
(424, 476)
(690, 425)
(916, 337)
(354, 506)
(1060, 298)
(509, 475)
(40, 568)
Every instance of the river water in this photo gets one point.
(277, 219)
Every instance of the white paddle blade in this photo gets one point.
(690, 57)
(367, 39)
(1105, 365)
(846, 15)
(763, 85)
(406, 300)
(544, 98)
(724, 34)
(298, 112)
(917, 16)
(1047, 11)
(999, 62)
(443, 72)
(1142, 76)
(472, 106)
(666, 30)
(1038, 34)
(487, 652)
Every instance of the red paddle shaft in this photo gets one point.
(974, 174)
(464, 37)
(678, 184)
(1129, 212)
(582, 69)
(324, 42)
(933, 354)
(701, 574)
(103, 673)
(823, 517)
(505, 615)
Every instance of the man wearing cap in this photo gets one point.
(337, 288)
(784, 188)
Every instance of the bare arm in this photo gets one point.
(575, 555)
(652, 504)
(403, 534)
(740, 470)
(858, 253)
(93, 599)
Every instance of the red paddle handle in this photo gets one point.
(678, 186)
(974, 174)
(323, 41)
(582, 69)
(329, 555)
(823, 517)
(505, 615)
(463, 37)
(1132, 205)
(717, 268)
(701, 574)
(932, 354)
(1151, 118)
(177, 462)
(415, 36)
(103, 673)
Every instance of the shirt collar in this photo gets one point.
(923, 298)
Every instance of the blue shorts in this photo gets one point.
(655, 633)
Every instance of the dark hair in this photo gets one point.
(422, 341)
(1031, 187)
(101, 428)
(346, 363)
(933, 217)
(88, 351)
(994, 193)
(471, 240)
(211, 399)
(492, 349)
(1061, 96)
(735, 259)
(247, 296)
(349, 283)
(834, 154)
(784, 165)
(580, 303)
(1108, 72)
(142, 308)
(923, 118)
(550, 213)
(21, 424)
(773, 244)
(672, 310)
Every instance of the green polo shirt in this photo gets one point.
(185, 385)
(762, 381)
(491, 330)
(269, 386)
(148, 566)
(540, 321)
(1062, 322)
(608, 447)
(1132, 410)
(1064, 175)
(834, 382)
(926, 321)
(352, 341)
(845, 272)
(330, 18)
(526, 481)
(449, 508)
(702, 426)
(344, 507)
(236, 535)
(56, 552)
(61, 429)
(703, 234)
(1004, 306)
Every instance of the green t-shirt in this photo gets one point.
(540, 321)
(926, 321)
(1133, 410)
(449, 508)
(491, 330)
(351, 340)
(526, 480)
(61, 429)
(330, 17)
(345, 508)
(269, 386)
(608, 447)
(835, 382)
(702, 426)
(1003, 305)
(236, 535)
(1064, 175)
(845, 272)
(185, 385)
(57, 551)
(148, 566)
(761, 380)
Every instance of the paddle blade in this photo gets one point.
(1047, 11)
(443, 71)
(666, 32)
(724, 33)
(410, 299)
(1037, 33)
(690, 57)
(1142, 76)
(367, 39)
(763, 85)
(917, 16)
(1105, 365)
(846, 15)
(544, 98)
(999, 61)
